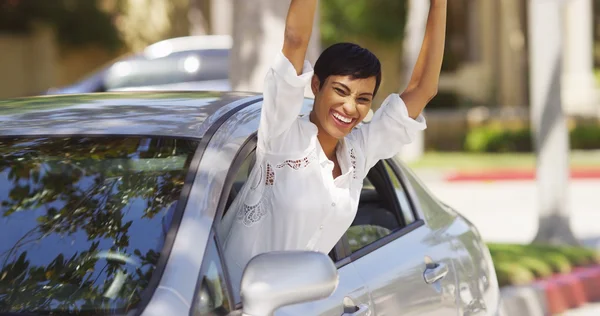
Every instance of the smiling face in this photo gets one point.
(341, 103)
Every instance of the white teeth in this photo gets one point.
(342, 118)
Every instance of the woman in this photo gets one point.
(303, 191)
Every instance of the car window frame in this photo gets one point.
(349, 256)
(341, 252)
(247, 149)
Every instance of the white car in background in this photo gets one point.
(196, 63)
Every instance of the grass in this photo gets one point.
(522, 264)
(476, 161)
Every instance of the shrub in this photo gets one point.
(537, 266)
(500, 139)
(510, 273)
(539, 260)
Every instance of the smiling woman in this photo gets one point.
(309, 171)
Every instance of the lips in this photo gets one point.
(341, 120)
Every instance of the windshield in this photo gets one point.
(83, 219)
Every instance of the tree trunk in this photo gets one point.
(415, 31)
(258, 30)
(548, 121)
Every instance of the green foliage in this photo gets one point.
(500, 139)
(585, 137)
(540, 260)
(77, 23)
(509, 273)
(537, 266)
(379, 20)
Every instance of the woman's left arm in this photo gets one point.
(423, 85)
(399, 119)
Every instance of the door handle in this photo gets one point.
(435, 272)
(361, 310)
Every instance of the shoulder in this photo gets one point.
(297, 139)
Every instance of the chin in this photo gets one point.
(336, 133)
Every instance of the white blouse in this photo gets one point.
(291, 200)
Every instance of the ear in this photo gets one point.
(315, 84)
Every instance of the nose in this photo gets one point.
(350, 108)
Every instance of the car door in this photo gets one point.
(406, 264)
(351, 292)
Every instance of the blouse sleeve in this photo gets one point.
(283, 98)
(389, 130)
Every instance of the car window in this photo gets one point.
(240, 178)
(405, 207)
(433, 213)
(377, 215)
(212, 294)
(83, 220)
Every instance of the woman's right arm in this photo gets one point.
(288, 76)
(298, 29)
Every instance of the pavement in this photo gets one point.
(587, 310)
(507, 210)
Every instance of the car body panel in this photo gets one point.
(477, 289)
(394, 275)
(181, 114)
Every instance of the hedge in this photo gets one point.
(500, 139)
(521, 264)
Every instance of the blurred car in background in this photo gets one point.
(184, 63)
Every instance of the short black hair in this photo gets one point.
(348, 59)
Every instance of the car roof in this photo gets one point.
(187, 43)
(174, 114)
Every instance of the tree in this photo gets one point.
(144, 22)
(378, 25)
(77, 23)
(257, 37)
(548, 120)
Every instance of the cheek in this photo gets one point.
(363, 110)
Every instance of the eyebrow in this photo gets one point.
(348, 89)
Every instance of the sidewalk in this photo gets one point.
(514, 175)
(587, 310)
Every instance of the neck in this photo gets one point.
(328, 142)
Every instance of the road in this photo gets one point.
(506, 211)
(587, 310)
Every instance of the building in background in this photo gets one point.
(485, 63)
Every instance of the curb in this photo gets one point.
(554, 295)
(514, 175)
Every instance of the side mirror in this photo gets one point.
(277, 279)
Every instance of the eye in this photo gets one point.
(340, 91)
(364, 100)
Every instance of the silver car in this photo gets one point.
(198, 63)
(110, 204)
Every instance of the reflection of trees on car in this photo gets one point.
(362, 235)
(89, 217)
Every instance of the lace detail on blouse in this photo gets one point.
(353, 162)
(270, 178)
(299, 163)
(250, 215)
